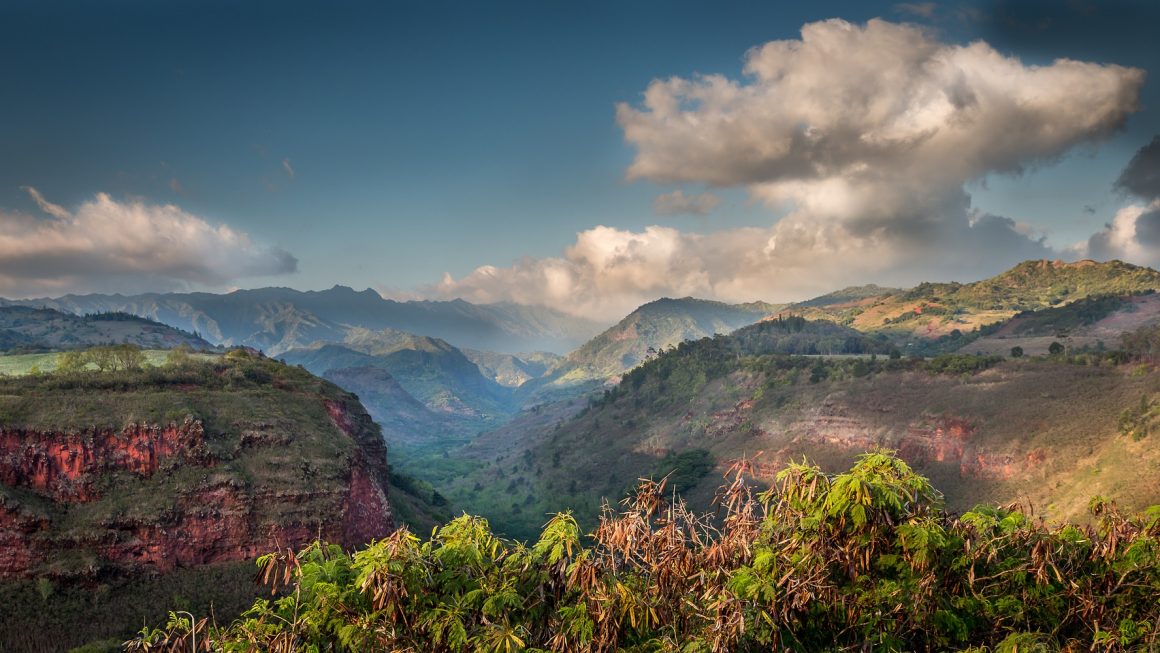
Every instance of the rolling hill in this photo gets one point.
(33, 329)
(931, 310)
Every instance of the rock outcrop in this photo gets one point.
(85, 502)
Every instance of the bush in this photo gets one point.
(857, 561)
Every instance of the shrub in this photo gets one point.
(862, 560)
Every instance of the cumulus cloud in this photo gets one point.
(607, 272)
(107, 244)
(1133, 235)
(864, 136)
(678, 202)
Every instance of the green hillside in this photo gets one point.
(931, 310)
(649, 329)
(1056, 436)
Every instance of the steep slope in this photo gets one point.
(429, 369)
(651, 328)
(278, 319)
(27, 328)
(113, 478)
(409, 426)
(1094, 323)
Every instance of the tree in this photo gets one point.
(1055, 349)
(127, 357)
(178, 356)
(71, 362)
(1016, 352)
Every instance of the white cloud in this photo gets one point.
(1133, 235)
(864, 135)
(678, 202)
(48, 207)
(607, 272)
(288, 168)
(110, 245)
(850, 120)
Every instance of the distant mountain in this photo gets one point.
(431, 370)
(406, 422)
(512, 370)
(279, 319)
(655, 326)
(23, 327)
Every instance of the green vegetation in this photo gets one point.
(1140, 421)
(51, 615)
(685, 469)
(858, 560)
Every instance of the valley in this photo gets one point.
(197, 457)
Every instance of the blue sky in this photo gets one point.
(385, 144)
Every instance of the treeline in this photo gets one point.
(864, 560)
(106, 358)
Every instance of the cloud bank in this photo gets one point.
(126, 246)
(864, 134)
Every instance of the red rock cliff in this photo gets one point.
(51, 477)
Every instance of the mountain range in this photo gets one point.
(278, 319)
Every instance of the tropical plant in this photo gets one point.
(862, 560)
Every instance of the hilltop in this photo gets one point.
(112, 478)
(653, 327)
(27, 328)
(931, 310)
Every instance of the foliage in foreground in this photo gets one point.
(864, 559)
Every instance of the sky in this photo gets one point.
(586, 156)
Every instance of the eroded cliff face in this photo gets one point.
(64, 465)
(921, 441)
(69, 496)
